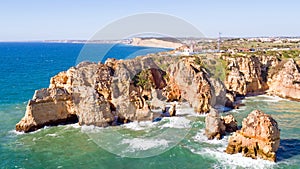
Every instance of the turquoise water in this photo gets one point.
(29, 66)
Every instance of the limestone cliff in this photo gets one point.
(285, 80)
(122, 90)
(47, 107)
(248, 74)
(263, 74)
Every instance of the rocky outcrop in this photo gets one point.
(126, 90)
(78, 94)
(260, 74)
(216, 125)
(258, 138)
(284, 80)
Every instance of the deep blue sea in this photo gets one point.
(26, 67)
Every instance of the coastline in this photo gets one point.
(71, 136)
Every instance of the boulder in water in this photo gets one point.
(214, 125)
(258, 138)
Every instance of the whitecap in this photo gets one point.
(264, 98)
(187, 112)
(175, 122)
(91, 129)
(235, 160)
(75, 125)
(52, 135)
(16, 132)
(141, 144)
(200, 137)
(143, 125)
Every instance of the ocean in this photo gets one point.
(26, 67)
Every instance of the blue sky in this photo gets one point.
(80, 19)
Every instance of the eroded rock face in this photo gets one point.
(260, 74)
(216, 125)
(94, 94)
(47, 107)
(97, 94)
(258, 138)
(248, 74)
(285, 82)
(80, 94)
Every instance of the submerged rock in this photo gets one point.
(258, 138)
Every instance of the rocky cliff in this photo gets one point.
(121, 91)
(256, 74)
(248, 74)
(285, 80)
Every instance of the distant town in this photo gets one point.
(238, 45)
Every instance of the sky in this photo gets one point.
(80, 19)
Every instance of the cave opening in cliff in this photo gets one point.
(71, 119)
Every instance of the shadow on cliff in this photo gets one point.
(288, 148)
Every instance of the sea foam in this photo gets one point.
(225, 160)
(142, 144)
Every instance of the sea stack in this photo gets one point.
(258, 138)
(214, 125)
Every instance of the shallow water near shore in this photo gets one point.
(70, 146)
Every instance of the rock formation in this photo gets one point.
(189, 82)
(260, 74)
(172, 110)
(97, 94)
(258, 138)
(248, 74)
(214, 125)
